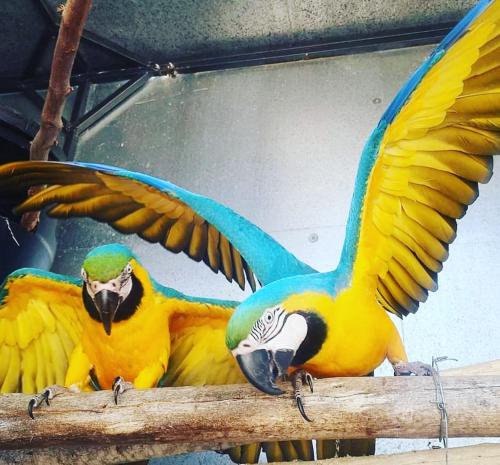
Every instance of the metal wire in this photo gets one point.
(441, 402)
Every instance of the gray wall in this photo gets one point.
(280, 144)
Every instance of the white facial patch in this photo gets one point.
(291, 336)
(122, 285)
(274, 330)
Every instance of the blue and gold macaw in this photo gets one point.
(418, 173)
(55, 329)
(116, 321)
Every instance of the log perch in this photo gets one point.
(215, 416)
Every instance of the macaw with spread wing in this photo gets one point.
(116, 321)
(418, 173)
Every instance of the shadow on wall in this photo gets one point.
(19, 247)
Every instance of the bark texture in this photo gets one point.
(74, 16)
(340, 407)
(88, 428)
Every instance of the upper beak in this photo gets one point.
(261, 367)
(107, 303)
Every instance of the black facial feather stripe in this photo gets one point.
(263, 331)
(128, 307)
(277, 325)
(257, 330)
(315, 337)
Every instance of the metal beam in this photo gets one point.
(390, 40)
(9, 85)
(110, 103)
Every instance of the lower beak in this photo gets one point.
(107, 303)
(261, 367)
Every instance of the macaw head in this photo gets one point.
(112, 290)
(267, 338)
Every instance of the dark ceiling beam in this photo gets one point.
(390, 40)
(87, 120)
(9, 85)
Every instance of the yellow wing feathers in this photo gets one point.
(430, 160)
(132, 207)
(39, 328)
(199, 357)
(198, 354)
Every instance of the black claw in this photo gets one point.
(309, 380)
(116, 388)
(46, 395)
(300, 406)
(31, 404)
(299, 379)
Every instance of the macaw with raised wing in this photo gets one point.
(419, 171)
(116, 327)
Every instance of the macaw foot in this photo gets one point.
(119, 386)
(298, 379)
(412, 368)
(47, 394)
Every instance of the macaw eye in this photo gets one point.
(268, 317)
(84, 274)
(128, 268)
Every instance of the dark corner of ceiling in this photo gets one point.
(207, 34)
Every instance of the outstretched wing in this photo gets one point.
(39, 327)
(157, 211)
(421, 167)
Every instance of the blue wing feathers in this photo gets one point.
(268, 259)
(174, 294)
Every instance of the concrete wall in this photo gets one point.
(281, 144)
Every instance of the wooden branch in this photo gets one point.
(107, 455)
(112, 454)
(483, 454)
(73, 19)
(208, 416)
(479, 369)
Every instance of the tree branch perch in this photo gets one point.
(174, 420)
(340, 407)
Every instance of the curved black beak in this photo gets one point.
(261, 367)
(107, 303)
